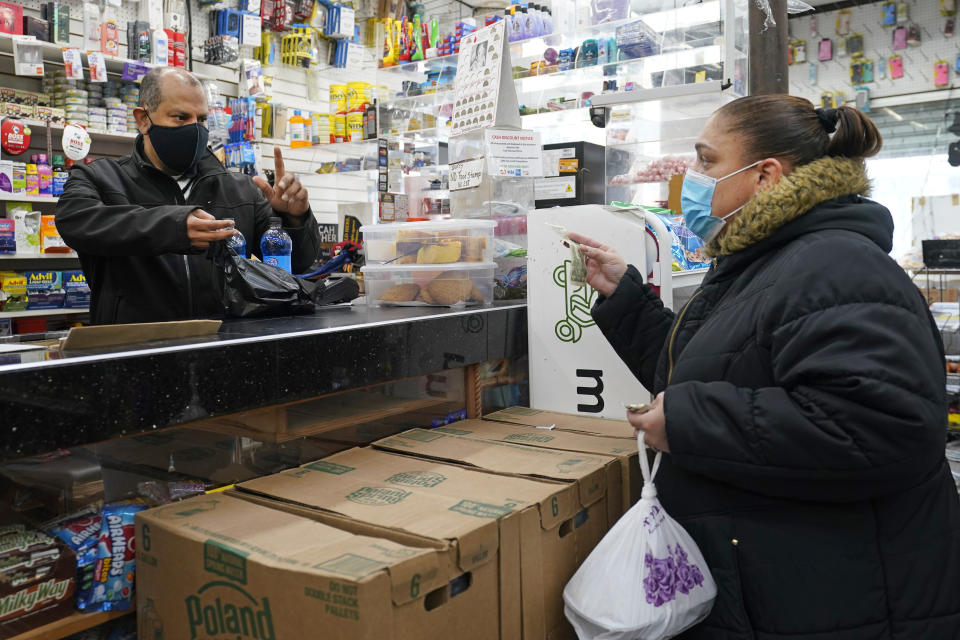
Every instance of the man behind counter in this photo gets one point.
(142, 223)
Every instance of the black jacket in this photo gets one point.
(127, 221)
(806, 416)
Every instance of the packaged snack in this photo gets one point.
(50, 240)
(687, 248)
(79, 531)
(115, 569)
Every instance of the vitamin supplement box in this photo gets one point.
(435, 242)
(438, 285)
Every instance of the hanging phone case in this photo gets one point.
(896, 67)
(863, 99)
(825, 51)
(913, 34)
(800, 52)
(812, 73)
(856, 72)
(948, 7)
(941, 73)
(956, 66)
(827, 100)
(855, 45)
(903, 13)
(899, 38)
(889, 14)
(948, 26)
(868, 71)
(882, 68)
(843, 22)
(841, 51)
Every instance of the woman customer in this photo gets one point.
(800, 393)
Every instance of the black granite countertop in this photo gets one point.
(64, 399)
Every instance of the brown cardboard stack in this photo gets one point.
(517, 538)
(563, 422)
(217, 566)
(628, 483)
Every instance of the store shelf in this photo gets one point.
(53, 54)
(695, 90)
(691, 278)
(36, 313)
(72, 624)
(104, 137)
(25, 198)
(39, 256)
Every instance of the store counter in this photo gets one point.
(51, 400)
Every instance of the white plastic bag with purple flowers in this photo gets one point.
(646, 580)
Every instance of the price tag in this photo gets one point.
(76, 142)
(72, 63)
(133, 71)
(98, 66)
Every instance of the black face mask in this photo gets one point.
(179, 148)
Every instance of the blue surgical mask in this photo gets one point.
(696, 200)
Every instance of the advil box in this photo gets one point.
(628, 482)
(505, 537)
(75, 281)
(216, 567)
(43, 281)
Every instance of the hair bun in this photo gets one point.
(828, 119)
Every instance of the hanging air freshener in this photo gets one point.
(843, 22)
(889, 14)
(903, 13)
(813, 25)
(14, 136)
(882, 68)
(913, 34)
(825, 51)
(812, 73)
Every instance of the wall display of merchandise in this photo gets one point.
(871, 51)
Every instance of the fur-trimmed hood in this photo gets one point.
(806, 187)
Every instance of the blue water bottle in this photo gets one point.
(238, 243)
(276, 246)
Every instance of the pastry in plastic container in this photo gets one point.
(449, 285)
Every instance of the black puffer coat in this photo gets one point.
(805, 412)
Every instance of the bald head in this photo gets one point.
(160, 81)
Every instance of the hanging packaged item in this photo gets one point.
(799, 52)
(941, 73)
(27, 56)
(899, 38)
(903, 12)
(889, 14)
(913, 34)
(825, 51)
(948, 7)
(645, 579)
(896, 67)
(855, 45)
(843, 22)
(863, 99)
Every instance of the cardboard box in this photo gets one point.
(629, 481)
(216, 566)
(563, 422)
(514, 536)
(37, 577)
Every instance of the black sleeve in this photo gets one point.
(306, 237)
(858, 409)
(635, 322)
(89, 226)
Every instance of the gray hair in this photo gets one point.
(150, 86)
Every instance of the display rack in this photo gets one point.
(53, 54)
(71, 624)
(36, 313)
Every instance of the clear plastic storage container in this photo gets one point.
(414, 285)
(439, 242)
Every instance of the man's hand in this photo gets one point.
(203, 228)
(286, 195)
(653, 423)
